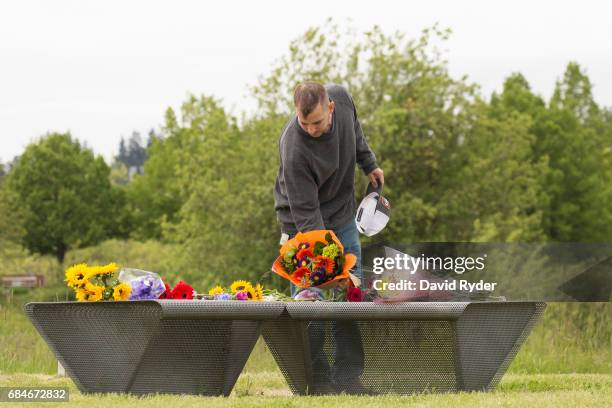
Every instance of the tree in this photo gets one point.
(155, 196)
(65, 196)
(11, 231)
(574, 94)
(571, 136)
(137, 153)
(123, 156)
(133, 156)
(517, 97)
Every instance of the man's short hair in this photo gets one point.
(308, 95)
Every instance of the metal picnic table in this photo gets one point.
(201, 346)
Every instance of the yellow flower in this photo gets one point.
(258, 292)
(96, 292)
(241, 286)
(109, 268)
(122, 291)
(82, 295)
(103, 270)
(217, 290)
(77, 275)
(250, 293)
(89, 292)
(92, 271)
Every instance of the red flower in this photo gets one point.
(167, 293)
(325, 262)
(354, 295)
(301, 273)
(303, 255)
(182, 291)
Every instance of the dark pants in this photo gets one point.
(346, 337)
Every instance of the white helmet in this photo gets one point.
(373, 212)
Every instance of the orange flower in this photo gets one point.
(303, 255)
(325, 262)
(301, 274)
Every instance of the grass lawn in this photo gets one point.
(268, 389)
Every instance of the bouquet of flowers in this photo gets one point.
(238, 290)
(95, 283)
(314, 259)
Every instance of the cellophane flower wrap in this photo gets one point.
(314, 259)
(144, 284)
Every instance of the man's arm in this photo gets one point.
(303, 196)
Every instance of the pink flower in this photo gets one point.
(242, 296)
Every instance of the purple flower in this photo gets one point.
(318, 276)
(223, 296)
(242, 296)
(146, 287)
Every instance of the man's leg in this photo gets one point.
(348, 348)
(349, 236)
(316, 337)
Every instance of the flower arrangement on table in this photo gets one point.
(316, 260)
(109, 282)
(238, 290)
(94, 283)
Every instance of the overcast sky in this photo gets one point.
(101, 69)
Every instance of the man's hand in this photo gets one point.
(377, 176)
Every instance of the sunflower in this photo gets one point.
(103, 270)
(241, 286)
(83, 295)
(95, 292)
(251, 293)
(122, 291)
(217, 290)
(258, 292)
(325, 262)
(77, 275)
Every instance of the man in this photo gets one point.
(318, 149)
(315, 190)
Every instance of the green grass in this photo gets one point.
(268, 389)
